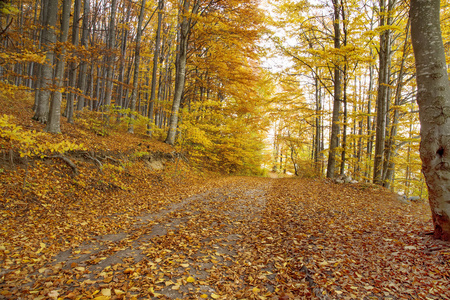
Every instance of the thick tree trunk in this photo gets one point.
(334, 140)
(54, 124)
(433, 97)
(180, 75)
(48, 40)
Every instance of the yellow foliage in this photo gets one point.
(26, 142)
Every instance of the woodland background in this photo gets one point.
(247, 86)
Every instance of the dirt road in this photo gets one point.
(252, 238)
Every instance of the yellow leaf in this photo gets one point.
(190, 279)
(118, 292)
(106, 292)
(215, 296)
(185, 265)
(256, 290)
(43, 245)
(204, 296)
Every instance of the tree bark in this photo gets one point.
(335, 128)
(54, 116)
(137, 58)
(433, 97)
(111, 57)
(73, 65)
(383, 91)
(155, 66)
(48, 41)
(83, 66)
(389, 165)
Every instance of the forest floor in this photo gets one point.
(239, 238)
(129, 219)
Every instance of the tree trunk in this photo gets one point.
(73, 65)
(155, 66)
(334, 140)
(54, 124)
(136, 66)
(344, 129)
(388, 167)
(433, 97)
(110, 59)
(123, 48)
(383, 92)
(83, 66)
(42, 19)
(48, 40)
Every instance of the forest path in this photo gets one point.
(179, 252)
(257, 238)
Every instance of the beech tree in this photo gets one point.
(182, 46)
(46, 73)
(53, 125)
(433, 97)
(335, 128)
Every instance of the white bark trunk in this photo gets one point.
(433, 97)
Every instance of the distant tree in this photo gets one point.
(433, 97)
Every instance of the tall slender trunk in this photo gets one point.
(388, 174)
(155, 66)
(334, 140)
(54, 124)
(40, 78)
(110, 59)
(83, 66)
(383, 90)
(73, 65)
(137, 58)
(344, 129)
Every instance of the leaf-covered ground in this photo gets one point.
(227, 238)
(122, 229)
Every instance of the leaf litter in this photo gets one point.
(225, 238)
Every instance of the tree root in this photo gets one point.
(100, 166)
(67, 161)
